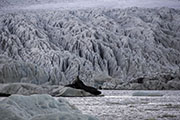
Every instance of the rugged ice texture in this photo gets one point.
(119, 45)
(23, 89)
(85, 4)
(39, 107)
(156, 82)
(54, 90)
(70, 92)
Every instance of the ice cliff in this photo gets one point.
(106, 47)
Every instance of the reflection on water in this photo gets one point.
(121, 105)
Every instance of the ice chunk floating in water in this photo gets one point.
(147, 93)
(39, 107)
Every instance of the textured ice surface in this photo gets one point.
(121, 105)
(39, 107)
(84, 4)
(54, 46)
(54, 90)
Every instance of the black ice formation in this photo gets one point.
(4, 95)
(78, 84)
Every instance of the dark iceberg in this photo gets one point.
(78, 84)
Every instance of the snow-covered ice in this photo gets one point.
(39, 107)
(83, 4)
(43, 44)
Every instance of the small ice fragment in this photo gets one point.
(147, 93)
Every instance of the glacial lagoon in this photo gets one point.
(125, 105)
(130, 105)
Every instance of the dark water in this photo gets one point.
(122, 105)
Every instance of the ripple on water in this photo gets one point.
(121, 105)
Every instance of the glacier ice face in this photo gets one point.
(120, 45)
(85, 4)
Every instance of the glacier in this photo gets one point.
(109, 47)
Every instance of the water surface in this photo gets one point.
(122, 105)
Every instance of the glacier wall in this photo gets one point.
(85, 4)
(111, 46)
